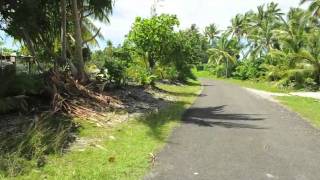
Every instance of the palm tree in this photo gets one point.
(311, 53)
(211, 32)
(260, 29)
(226, 51)
(292, 34)
(314, 7)
(82, 9)
(238, 26)
(63, 10)
(78, 41)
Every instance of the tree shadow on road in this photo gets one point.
(215, 116)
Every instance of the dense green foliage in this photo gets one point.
(154, 50)
(264, 46)
(173, 52)
(268, 45)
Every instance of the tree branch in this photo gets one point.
(93, 37)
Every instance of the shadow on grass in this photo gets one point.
(215, 116)
(26, 141)
(182, 94)
(179, 94)
(192, 83)
(157, 121)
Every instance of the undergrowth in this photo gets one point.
(27, 146)
(123, 151)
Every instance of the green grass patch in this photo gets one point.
(260, 85)
(124, 150)
(202, 74)
(307, 107)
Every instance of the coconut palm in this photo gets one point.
(96, 9)
(260, 29)
(292, 34)
(238, 26)
(211, 32)
(225, 52)
(311, 53)
(314, 7)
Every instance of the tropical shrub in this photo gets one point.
(116, 71)
(248, 69)
(140, 75)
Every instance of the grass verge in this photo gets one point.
(306, 107)
(123, 151)
(260, 85)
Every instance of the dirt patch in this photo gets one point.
(135, 102)
(315, 95)
(131, 102)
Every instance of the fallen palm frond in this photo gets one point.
(71, 97)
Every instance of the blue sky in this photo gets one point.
(200, 12)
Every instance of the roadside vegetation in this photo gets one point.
(121, 151)
(61, 102)
(260, 85)
(72, 110)
(266, 45)
(268, 50)
(306, 107)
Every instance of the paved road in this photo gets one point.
(230, 134)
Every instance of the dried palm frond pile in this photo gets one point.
(71, 97)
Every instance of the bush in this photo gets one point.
(116, 71)
(248, 69)
(298, 79)
(169, 73)
(21, 84)
(285, 83)
(310, 84)
(140, 75)
(218, 70)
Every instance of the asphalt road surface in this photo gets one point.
(231, 134)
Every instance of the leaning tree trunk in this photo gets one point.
(30, 47)
(78, 42)
(64, 38)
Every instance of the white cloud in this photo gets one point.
(200, 12)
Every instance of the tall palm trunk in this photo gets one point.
(227, 68)
(78, 42)
(63, 30)
(64, 38)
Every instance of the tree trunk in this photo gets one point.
(151, 62)
(78, 42)
(30, 47)
(227, 69)
(63, 31)
(317, 74)
(74, 71)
